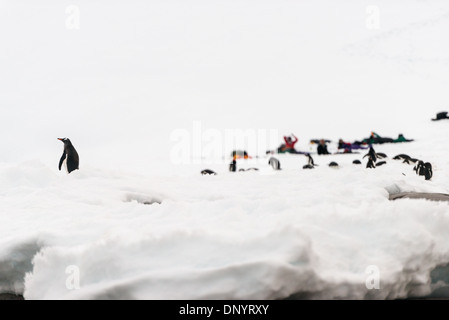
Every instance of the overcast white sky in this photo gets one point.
(135, 71)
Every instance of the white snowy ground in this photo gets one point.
(136, 73)
(310, 234)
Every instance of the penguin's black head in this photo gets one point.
(65, 140)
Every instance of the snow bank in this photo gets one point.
(294, 233)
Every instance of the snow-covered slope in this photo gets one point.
(244, 235)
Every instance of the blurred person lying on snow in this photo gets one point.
(289, 146)
(322, 147)
(348, 147)
(375, 138)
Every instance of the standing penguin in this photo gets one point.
(370, 164)
(424, 169)
(70, 156)
(275, 164)
(428, 173)
(371, 155)
(233, 166)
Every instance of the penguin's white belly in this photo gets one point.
(64, 164)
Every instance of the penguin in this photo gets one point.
(69, 156)
(208, 172)
(370, 163)
(333, 164)
(310, 164)
(356, 162)
(428, 173)
(419, 168)
(401, 157)
(440, 116)
(274, 163)
(424, 169)
(381, 155)
(371, 154)
(406, 159)
(249, 169)
(310, 160)
(380, 163)
(233, 166)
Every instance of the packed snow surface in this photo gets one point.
(318, 233)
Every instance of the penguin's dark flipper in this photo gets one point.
(61, 161)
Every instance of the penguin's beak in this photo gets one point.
(60, 139)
